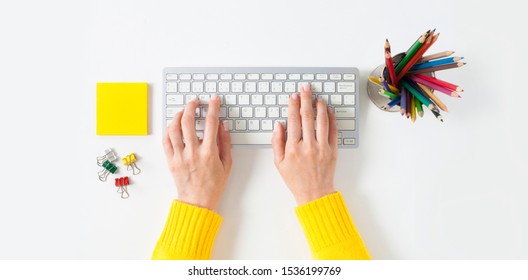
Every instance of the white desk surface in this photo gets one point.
(432, 190)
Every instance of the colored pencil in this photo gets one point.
(389, 63)
(387, 94)
(438, 68)
(434, 86)
(440, 82)
(384, 83)
(403, 101)
(437, 62)
(391, 104)
(428, 43)
(419, 108)
(409, 102)
(436, 56)
(413, 109)
(438, 116)
(377, 82)
(414, 85)
(412, 51)
(420, 97)
(433, 97)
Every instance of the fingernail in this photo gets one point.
(306, 87)
(225, 125)
(295, 96)
(214, 96)
(276, 129)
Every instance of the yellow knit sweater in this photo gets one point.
(190, 231)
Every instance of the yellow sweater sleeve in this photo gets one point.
(329, 229)
(189, 233)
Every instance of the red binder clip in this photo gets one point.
(122, 185)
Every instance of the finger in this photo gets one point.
(332, 130)
(224, 146)
(307, 114)
(189, 125)
(167, 146)
(175, 132)
(278, 144)
(211, 122)
(322, 122)
(294, 120)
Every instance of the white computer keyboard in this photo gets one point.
(253, 99)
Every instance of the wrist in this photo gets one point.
(306, 197)
(199, 201)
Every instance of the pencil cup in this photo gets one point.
(373, 88)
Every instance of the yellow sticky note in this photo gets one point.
(122, 108)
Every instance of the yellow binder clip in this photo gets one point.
(130, 162)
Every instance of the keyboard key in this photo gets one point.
(294, 77)
(349, 77)
(267, 125)
(349, 141)
(223, 112)
(204, 98)
(199, 135)
(234, 112)
(197, 112)
(339, 141)
(174, 99)
(256, 99)
(273, 112)
(263, 87)
(254, 124)
(349, 99)
(200, 124)
(321, 77)
(335, 77)
(189, 98)
(226, 76)
(240, 76)
(324, 97)
(270, 99)
(282, 122)
(185, 87)
(335, 99)
(198, 76)
(172, 87)
(347, 87)
(284, 99)
(251, 86)
(345, 112)
(308, 76)
(223, 87)
(171, 76)
(276, 87)
(185, 76)
(284, 112)
(329, 87)
(243, 99)
(253, 76)
(267, 76)
(280, 76)
(317, 87)
(237, 87)
(212, 76)
(300, 85)
(210, 87)
(247, 112)
(171, 111)
(261, 138)
(240, 125)
(229, 124)
(197, 87)
(260, 112)
(231, 99)
(289, 87)
(346, 124)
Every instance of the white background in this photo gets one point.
(429, 190)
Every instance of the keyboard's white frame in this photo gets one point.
(272, 70)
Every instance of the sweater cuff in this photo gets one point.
(189, 233)
(328, 225)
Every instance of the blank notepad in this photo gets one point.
(122, 108)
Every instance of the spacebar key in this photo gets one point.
(251, 138)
